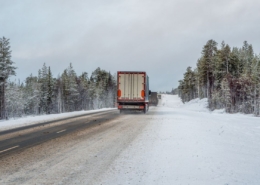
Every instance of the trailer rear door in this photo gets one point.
(131, 86)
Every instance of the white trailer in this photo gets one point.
(132, 91)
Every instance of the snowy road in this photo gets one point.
(172, 144)
(20, 138)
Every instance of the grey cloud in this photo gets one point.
(160, 37)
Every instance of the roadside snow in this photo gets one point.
(29, 120)
(173, 101)
(174, 143)
(187, 144)
(197, 104)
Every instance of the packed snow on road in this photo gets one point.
(174, 143)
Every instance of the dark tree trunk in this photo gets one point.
(2, 100)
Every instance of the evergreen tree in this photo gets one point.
(72, 88)
(69, 92)
(15, 102)
(49, 91)
(43, 79)
(31, 95)
(6, 70)
(83, 90)
(256, 84)
(230, 79)
(209, 53)
(65, 91)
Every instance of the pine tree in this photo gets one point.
(31, 95)
(49, 91)
(73, 89)
(202, 78)
(229, 79)
(44, 89)
(209, 53)
(83, 90)
(256, 84)
(225, 86)
(65, 91)
(15, 102)
(110, 91)
(6, 70)
(101, 89)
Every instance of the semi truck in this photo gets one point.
(133, 91)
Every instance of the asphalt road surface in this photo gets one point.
(54, 153)
(17, 139)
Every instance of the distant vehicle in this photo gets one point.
(159, 96)
(153, 99)
(133, 91)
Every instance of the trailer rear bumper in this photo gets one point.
(132, 107)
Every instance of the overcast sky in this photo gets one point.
(161, 37)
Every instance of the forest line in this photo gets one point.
(229, 78)
(45, 94)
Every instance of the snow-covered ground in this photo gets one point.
(187, 144)
(174, 143)
(29, 120)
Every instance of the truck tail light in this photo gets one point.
(141, 107)
(142, 93)
(120, 106)
(119, 93)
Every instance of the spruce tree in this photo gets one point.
(65, 91)
(209, 53)
(230, 79)
(32, 95)
(44, 89)
(83, 90)
(6, 70)
(49, 91)
(73, 89)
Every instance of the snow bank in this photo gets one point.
(171, 101)
(29, 120)
(174, 101)
(197, 105)
(187, 144)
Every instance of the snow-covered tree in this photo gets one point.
(6, 70)
(15, 101)
(68, 92)
(229, 78)
(31, 95)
